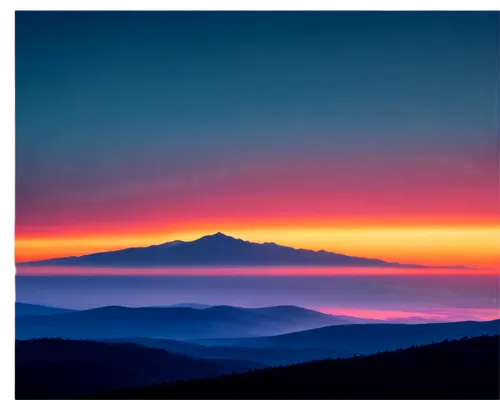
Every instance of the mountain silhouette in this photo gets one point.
(57, 368)
(366, 338)
(25, 309)
(217, 249)
(173, 323)
(458, 369)
(190, 305)
(268, 356)
(332, 341)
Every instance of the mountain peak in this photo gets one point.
(215, 249)
(218, 235)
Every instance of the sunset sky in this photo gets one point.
(368, 134)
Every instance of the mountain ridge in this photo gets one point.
(217, 249)
(28, 309)
(340, 341)
(266, 356)
(366, 338)
(172, 323)
(454, 369)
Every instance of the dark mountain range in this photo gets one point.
(366, 338)
(190, 305)
(317, 344)
(217, 249)
(267, 356)
(173, 323)
(57, 368)
(24, 310)
(459, 369)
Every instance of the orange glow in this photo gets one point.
(419, 207)
(429, 245)
(242, 271)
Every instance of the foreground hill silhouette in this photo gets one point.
(173, 323)
(459, 369)
(52, 368)
(217, 249)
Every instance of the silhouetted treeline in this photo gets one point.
(458, 369)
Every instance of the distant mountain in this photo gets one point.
(57, 368)
(173, 323)
(366, 338)
(461, 369)
(190, 305)
(24, 310)
(294, 311)
(218, 249)
(267, 356)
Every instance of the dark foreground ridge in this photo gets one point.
(58, 368)
(458, 369)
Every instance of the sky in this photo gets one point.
(370, 134)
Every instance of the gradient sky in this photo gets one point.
(371, 134)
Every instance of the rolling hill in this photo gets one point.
(189, 305)
(57, 368)
(25, 310)
(366, 338)
(268, 356)
(217, 249)
(173, 323)
(333, 341)
(459, 369)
